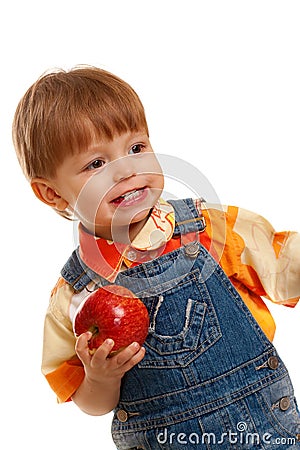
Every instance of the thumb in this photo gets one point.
(82, 348)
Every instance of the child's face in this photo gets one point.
(112, 184)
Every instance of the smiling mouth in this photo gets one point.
(129, 197)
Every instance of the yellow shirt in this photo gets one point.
(259, 262)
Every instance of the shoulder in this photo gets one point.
(60, 301)
(236, 218)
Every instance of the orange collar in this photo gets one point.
(107, 258)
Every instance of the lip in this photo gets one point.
(131, 197)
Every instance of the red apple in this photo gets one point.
(112, 312)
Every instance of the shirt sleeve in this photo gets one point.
(266, 257)
(60, 365)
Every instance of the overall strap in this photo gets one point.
(78, 274)
(188, 223)
(187, 217)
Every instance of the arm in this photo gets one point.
(99, 391)
(273, 256)
(93, 382)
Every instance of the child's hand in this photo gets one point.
(99, 391)
(100, 367)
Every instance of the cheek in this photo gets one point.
(157, 183)
(161, 181)
(159, 177)
(149, 166)
(90, 198)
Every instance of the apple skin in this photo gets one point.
(112, 312)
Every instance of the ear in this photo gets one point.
(45, 191)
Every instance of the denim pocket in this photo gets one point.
(183, 324)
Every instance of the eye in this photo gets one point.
(95, 164)
(136, 148)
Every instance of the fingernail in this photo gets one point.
(109, 342)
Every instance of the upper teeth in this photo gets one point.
(130, 194)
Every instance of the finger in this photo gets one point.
(134, 360)
(82, 349)
(126, 354)
(102, 352)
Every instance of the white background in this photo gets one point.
(220, 84)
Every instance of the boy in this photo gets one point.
(210, 376)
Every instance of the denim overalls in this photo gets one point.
(210, 378)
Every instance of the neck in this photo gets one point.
(124, 235)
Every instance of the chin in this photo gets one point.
(139, 218)
(142, 215)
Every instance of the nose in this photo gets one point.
(123, 168)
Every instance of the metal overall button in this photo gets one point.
(192, 250)
(131, 255)
(273, 362)
(284, 403)
(123, 415)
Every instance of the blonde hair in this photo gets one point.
(63, 111)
